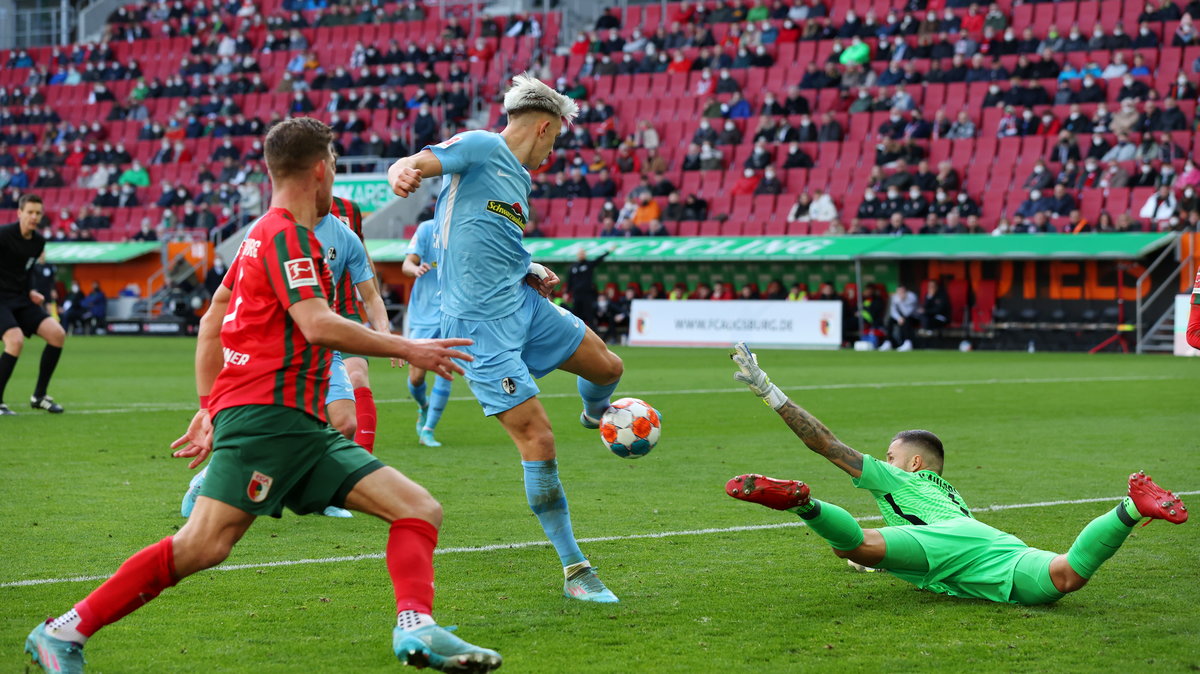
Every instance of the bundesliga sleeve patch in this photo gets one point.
(301, 272)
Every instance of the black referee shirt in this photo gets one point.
(17, 257)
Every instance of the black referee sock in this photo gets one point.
(49, 362)
(7, 363)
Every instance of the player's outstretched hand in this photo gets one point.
(197, 441)
(404, 180)
(753, 376)
(436, 356)
(420, 270)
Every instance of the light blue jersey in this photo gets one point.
(424, 303)
(481, 215)
(343, 251)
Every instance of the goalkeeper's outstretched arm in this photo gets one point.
(808, 428)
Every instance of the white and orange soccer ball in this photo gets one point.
(630, 428)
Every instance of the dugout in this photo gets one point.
(156, 268)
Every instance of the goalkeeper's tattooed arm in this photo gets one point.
(820, 439)
(806, 427)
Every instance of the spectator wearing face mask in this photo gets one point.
(730, 134)
(916, 206)
(942, 204)
(893, 202)
(770, 183)
(1146, 176)
(965, 206)
(1039, 178)
(1036, 203)
(747, 184)
(1189, 201)
(871, 207)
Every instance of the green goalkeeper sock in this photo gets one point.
(832, 523)
(1101, 538)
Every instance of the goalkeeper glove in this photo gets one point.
(750, 374)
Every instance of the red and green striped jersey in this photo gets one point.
(348, 212)
(347, 305)
(267, 359)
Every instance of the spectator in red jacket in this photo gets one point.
(746, 184)
(680, 64)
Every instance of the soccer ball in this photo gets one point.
(630, 428)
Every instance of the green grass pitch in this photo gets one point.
(81, 492)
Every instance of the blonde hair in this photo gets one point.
(529, 94)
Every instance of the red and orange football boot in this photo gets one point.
(1155, 502)
(768, 491)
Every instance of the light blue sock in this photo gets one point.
(549, 502)
(418, 393)
(437, 402)
(596, 398)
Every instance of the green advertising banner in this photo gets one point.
(87, 251)
(671, 249)
(675, 249)
(387, 250)
(1123, 246)
(815, 248)
(369, 190)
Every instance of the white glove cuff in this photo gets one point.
(775, 398)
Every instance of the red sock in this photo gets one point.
(364, 409)
(139, 580)
(410, 563)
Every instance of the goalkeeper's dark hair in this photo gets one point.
(295, 144)
(925, 441)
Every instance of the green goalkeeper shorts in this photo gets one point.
(266, 457)
(963, 557)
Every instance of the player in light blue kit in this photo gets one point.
(493, 293)
(348, 264)
(425, 322)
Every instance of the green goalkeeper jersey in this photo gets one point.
(904, 498)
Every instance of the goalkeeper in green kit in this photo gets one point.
(932, 540)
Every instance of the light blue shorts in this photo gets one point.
(424, 331)
(339, 380)
(512, 351)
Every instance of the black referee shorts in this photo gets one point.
(21, 312)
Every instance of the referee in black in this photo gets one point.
(21, 313)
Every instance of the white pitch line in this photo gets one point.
(542, 543)
(132, 408)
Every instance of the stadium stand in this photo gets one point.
(1102, 92)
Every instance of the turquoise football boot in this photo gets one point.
(435, 646)
(193, 491)
(422, 415)
(584, 585)
(588, 422)
(54, 655)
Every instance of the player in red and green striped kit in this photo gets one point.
(932, 540)
(262, 370)
(347, 306)
(1193, 326)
